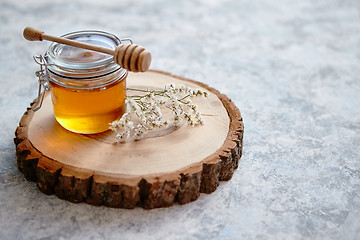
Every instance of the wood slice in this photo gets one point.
(171, 165)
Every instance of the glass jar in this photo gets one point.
(88, 89)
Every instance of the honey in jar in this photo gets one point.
(88, 89)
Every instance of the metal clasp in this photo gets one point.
(43, 75)
(126, 40)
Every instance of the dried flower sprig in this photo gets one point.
(145, 110)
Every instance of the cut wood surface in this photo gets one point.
(174, 164)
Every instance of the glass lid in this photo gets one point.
(76, 62)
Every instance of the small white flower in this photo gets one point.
(147, 109)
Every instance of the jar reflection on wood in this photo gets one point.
(88, 89)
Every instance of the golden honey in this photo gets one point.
(88, 110)
(88, 89)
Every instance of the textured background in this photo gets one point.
(292, 68)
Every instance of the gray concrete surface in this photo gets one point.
(292, 68)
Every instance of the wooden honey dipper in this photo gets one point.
(130, 57)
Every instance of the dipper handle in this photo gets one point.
(130, 57)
